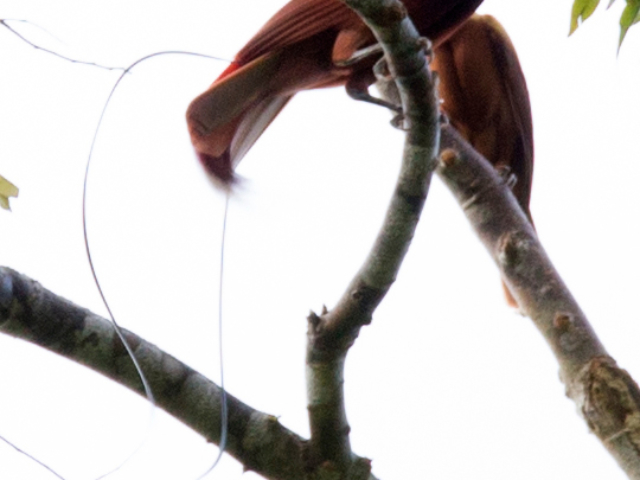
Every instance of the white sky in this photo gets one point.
(447, 383)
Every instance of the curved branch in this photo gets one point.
(30, 312)
(606, 395)
(331, 334)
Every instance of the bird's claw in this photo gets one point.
(427, 47)
(358, 56)
(381, 70)
(398, 122)
(507, 176)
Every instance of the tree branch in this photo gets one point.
(606, 395)
(30, 312)
(331, 334)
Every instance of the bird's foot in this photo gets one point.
(507, 176)
(357, 87)
(427, 47)
(358, 56)
(398, 122)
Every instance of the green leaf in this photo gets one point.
(7, 189)
(630, 16)
(581, 10)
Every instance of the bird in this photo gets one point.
(485, 97)
(306, 45)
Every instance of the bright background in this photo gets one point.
(447, 383)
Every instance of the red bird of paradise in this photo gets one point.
(485, 96)
(303, 46)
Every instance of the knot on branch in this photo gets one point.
(513, 248)
(327, 470)
(267, 451)
(449, 158)
(570, 334)
(366, 299)
(609, 400)
(329, 335)
(359, 469)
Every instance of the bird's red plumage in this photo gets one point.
(297, 49)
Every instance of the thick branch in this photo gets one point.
(332, 333)
(30, 312)
(606, 395)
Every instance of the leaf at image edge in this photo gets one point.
(7, 189)
(580, 11)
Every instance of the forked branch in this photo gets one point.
(331, 334)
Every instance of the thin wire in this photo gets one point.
(31, 457)
(134, 359)
(33, 24)
(4, 21)
(224, 420)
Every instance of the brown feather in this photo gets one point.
(485, 95)
(297, 49)
(298, 20)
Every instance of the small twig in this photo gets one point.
(46, 50)
(331, 334)
(606, 395)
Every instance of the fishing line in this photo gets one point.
(31, 457)
(3, 22)
(145, 383)
(224, 420)
(134, 359)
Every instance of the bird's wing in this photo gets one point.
(514, 86)
(485, 95)
(297, 21)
